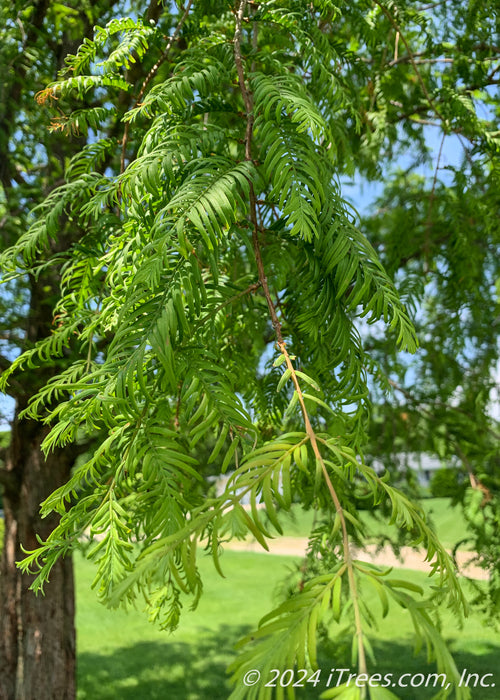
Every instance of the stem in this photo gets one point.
(338, 507)
(247, 98)
(178, 406)
(248, 101)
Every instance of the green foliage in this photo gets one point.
(215, 296)
(445, 483)
(483, 517)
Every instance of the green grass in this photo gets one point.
(448, 521)
(122, 657)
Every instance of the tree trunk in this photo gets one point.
(37, 634)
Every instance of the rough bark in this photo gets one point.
(37, 635)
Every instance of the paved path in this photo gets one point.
(409, 558)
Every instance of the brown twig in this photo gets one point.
(475, 483)
(396, 47)
(421, 61)
(248, 101)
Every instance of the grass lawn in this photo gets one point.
(448, 521)
(122, 657)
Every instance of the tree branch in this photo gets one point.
(248, 100)
(12, 337)
(5, 364)
(440, 59)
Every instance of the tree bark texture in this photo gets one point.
(37, 634)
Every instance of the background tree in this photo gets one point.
(213, 230)
(436, 229)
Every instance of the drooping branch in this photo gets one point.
(248, 101)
